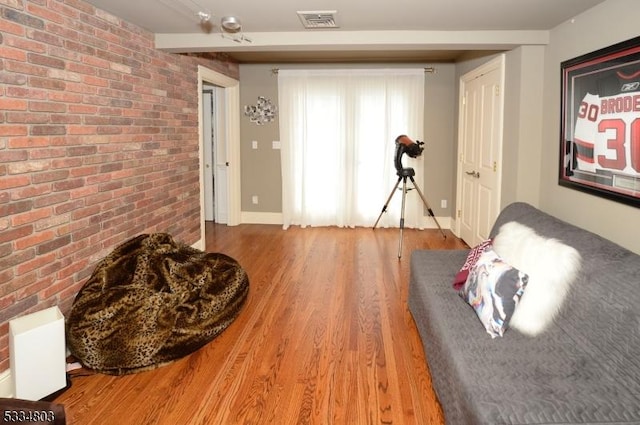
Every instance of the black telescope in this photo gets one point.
(405, 145)
(414, 149)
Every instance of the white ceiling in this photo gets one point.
(393, 30)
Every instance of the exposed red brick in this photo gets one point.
(13, 54)
(53, 199)
(31, 192)
(25, 44)
(44, 13)
(31, 166)
(69, 206)
(33, 240)
(30, 217)
(39, 284)
(66, 185)
(12, 27)
(40, 130)
(17, 308)
(47, 83)
(22, 18)
(13, 130)
(68, 8)
(49, 176)
(65, 119)
(47, 107)
(47, 61)
(13, 155)
(13, 79)
(36, 263)
(73, 268)
(14, 208)
(15, 259)
(27, 70)
(45, 37)
(15, 233)
(53, 245)
(63, 31)
(83, 109)
(86, 165)
(27, 118)
(13, 104)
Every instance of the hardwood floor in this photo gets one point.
(324, 338)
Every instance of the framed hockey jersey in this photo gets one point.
(600, 123)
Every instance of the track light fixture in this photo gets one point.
(204, 16)
(230, 24)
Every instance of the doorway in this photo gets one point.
(227, 112)
(215, 154)
(479, 173)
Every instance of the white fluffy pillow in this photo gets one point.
(552, 267)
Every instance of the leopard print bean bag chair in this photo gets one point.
(152, 301)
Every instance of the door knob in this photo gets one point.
(475, 174)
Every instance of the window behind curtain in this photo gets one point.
(337, 129)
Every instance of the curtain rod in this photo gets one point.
(428, 70)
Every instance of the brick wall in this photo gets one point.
(98, 143)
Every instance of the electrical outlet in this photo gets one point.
(254, 144)
(275, 144)
(254, 199)
(443, 203)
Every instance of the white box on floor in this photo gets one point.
(37, 354)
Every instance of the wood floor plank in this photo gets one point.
(324, 338)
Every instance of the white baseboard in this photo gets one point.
(454, 227)
(429, 223)
(6, 384)
(248, 217)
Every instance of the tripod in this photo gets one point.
(402, 176)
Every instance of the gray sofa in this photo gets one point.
(584, 369)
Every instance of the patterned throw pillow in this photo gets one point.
(493, 288)
(472, 257)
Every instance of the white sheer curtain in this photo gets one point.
(337, 133)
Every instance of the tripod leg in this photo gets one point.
(384, 208)
(404, 195)
(426, 204)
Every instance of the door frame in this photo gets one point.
(495, 63)
(232, 114)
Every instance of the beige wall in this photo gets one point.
(531, 130)
(524, 104)
(261, 167)
(609, 23)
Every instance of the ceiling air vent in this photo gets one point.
(318, 19)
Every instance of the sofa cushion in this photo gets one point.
(552, 267)
(493, 290)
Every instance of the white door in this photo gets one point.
(220, 148)
(215, 154)
(480, 151)
(207, 132)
